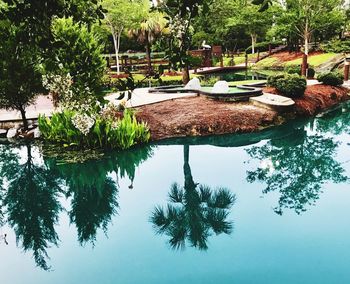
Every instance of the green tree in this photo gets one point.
(252, 20)
(309, 16)
(121, 16)
(77, 52)
(181, 15)
(152, 27)
(20, 71)
(26, 37)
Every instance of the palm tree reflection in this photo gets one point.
(194, 213)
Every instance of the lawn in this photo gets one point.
(275, 63)
(314, 60)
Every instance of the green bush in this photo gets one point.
(337, 46)
(296, 69)
(331, 78)
(263, 46)
(272, 80)
(290, 85)
(79, 53)
(81, 130)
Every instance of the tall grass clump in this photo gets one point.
(101, 130)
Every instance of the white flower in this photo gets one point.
(83, 123)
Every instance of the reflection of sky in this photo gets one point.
(263, 248)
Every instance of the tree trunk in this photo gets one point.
(253, 36)
(24, 118)
(304, 66)
(116, 48)
(189, 183)
(148, 57)
(185, 75)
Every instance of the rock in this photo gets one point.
(220, 87)
(3, 133)
(37, 133)
(193, 84)
(11, 133)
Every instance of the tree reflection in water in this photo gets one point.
(31, 187)
(297, 166)
(194, 212)
(31, 202)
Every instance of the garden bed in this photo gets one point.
(200, 116)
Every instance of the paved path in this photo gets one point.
(142, 97)
(43, 105)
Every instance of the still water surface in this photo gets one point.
(272, 207)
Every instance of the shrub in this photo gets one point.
(337, 46)
(291, 85)
(296, 69)
(331, 78)
(94, 131)
(79, 53)
(272, 80)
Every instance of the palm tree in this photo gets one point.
(195, 212)
(149, 30)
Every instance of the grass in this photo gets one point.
(268, 62)
(314, 60)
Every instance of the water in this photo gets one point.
(237, 76)
(271, 207)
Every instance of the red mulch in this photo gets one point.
(200, 116)
(317, 98)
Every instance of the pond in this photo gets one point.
(271, 207)
(239, 75)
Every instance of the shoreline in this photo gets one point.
(200, 116)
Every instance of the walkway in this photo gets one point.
(141, 97)
(43, 105)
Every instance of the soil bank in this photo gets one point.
(201, 116)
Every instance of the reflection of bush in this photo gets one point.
(93, 192)
(29, 203)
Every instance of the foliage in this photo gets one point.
(303, 19)
(94, 131)
(35, 17)
(296, 69)
(331, 78)
(337, 46)
(252, 20)
(78, 53)
(20, 71)
(290, 85)
(121, 16)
